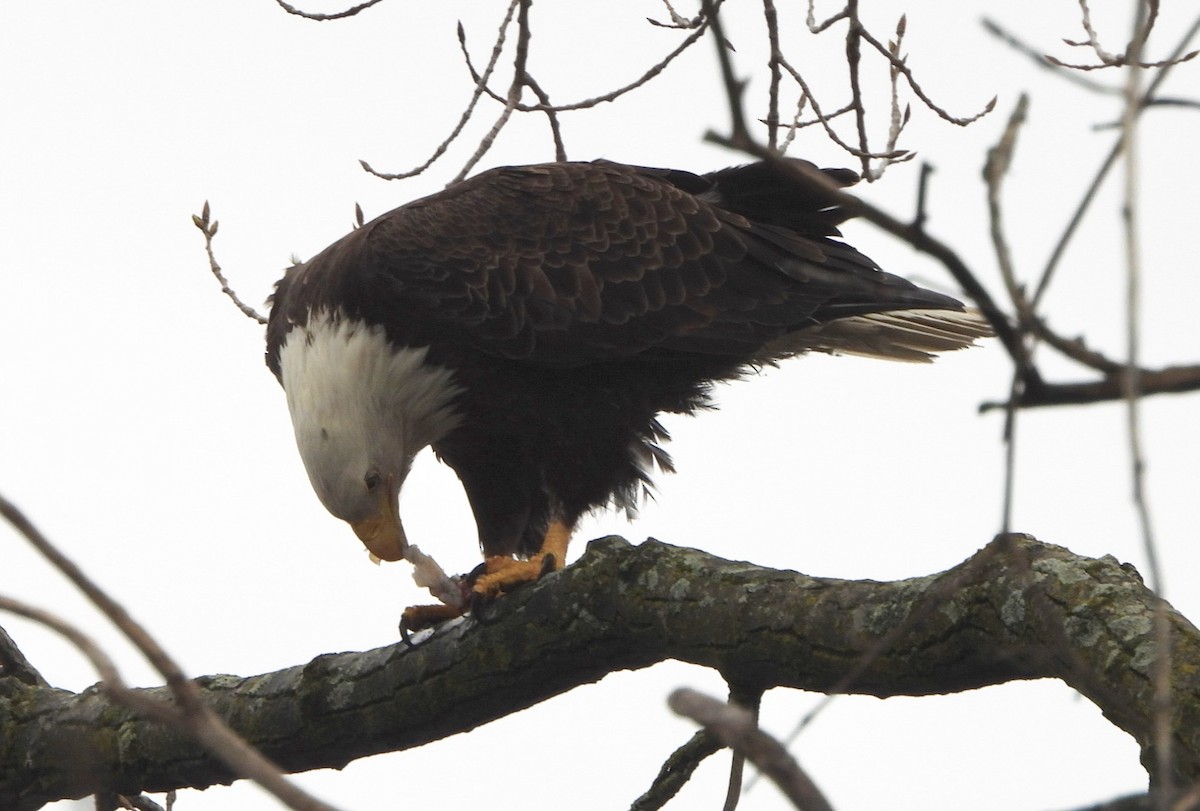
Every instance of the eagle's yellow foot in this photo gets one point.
(501, 574)
(495, 576)
(420, 617)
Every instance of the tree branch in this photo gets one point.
(1020, 610)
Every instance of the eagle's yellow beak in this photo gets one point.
(382, 533)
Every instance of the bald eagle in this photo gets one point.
(529, 325)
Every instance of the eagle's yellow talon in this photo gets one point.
(501, 574)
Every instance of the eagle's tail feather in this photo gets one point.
(907, 335)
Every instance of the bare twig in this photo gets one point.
(339, 15)
(1132, 56)
(85, 644)
(853, 61)
(480, 80)
(998, 160)
(511, 99)
(189, 714)
(1109, 161)
(1075, 348)
(824, 120)
(736, 728)
(676, 771)
(1144, 20)
(1042, 61)
(208, 227)
(1144, 15)
(815, 27)
(920, 214)
(514, 91)
(900, 65)
(1038, 393)
(739, 133)
(898, 119)
(677, 19)
(1016, 386)
(739, 136)
(773, 65)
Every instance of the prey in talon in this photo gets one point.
(530, 324)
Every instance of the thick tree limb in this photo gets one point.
(13, 663)
(1020, 610)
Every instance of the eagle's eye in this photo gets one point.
(372, 480)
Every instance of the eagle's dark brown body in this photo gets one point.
(571, 303)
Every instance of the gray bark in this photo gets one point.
(1018, 609)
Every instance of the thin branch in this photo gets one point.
(90, 649)
(514, 91)
(676, 771)
(1168, 380)
(900, 65)
(189, 714)
(480, 87)
(1073, 224)
(1143, 22)
(208, 227)
(1133, 49)
(920, 216)
(750, 700)
(897, 120)
(734, 87)
(339, 15)
(771, 16)
(513, 103)
(824, 120)
(677, 19)
(815, 27)
(999, 158)
(1043, 61)
(1015, 389)
(652, 72)
(736, 727)
(854, 36)
(1109, 161)
(1076, 349)
(560, 147)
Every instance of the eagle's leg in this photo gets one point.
(502, 573)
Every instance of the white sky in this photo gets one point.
(140, 429)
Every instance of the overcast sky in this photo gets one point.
(142, 432)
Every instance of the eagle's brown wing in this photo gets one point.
(571, 263)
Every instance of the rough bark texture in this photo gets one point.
(1019, 609)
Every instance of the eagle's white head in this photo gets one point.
(362, 409)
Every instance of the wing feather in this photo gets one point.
(572, 263)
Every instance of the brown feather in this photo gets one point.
(574, 302)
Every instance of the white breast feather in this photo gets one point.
(357, 400)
